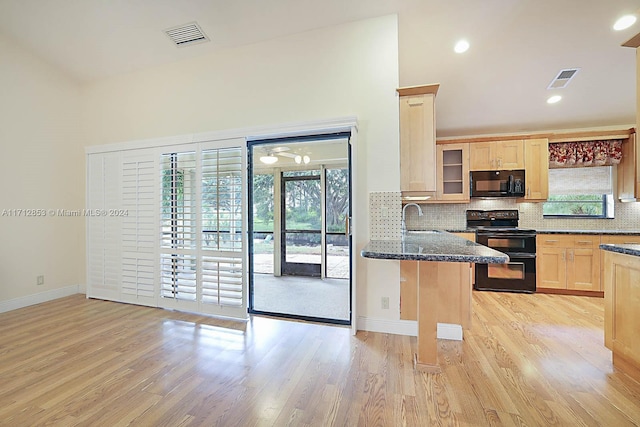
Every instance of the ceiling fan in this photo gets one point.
(272, 154)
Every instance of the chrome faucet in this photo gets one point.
(404, 209)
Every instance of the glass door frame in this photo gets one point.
(250, 156)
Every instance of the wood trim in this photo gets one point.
(552, 136)
(632, 42)
(597, 294)
(590, 135)
(418, 90)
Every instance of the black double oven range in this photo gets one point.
(498, 229)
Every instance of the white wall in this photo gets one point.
(347, 70)
(42, 168)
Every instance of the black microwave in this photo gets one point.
(497, 183)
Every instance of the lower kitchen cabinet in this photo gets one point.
(455, 300)
(568, 263)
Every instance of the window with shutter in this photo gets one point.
(138, 215)
(222, 265)
(178, 226)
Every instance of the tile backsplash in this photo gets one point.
(386, 213)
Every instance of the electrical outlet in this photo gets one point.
(40, 280)
(384, 211)
(384, 302)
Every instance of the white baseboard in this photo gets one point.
(446, 331)
(16, 303)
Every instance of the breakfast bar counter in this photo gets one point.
(439, 256)
(433, 246)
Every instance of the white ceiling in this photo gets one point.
(498, 86)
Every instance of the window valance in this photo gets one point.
(585, 153)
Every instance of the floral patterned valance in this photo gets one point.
(585, 153)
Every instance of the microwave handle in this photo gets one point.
(511, 185)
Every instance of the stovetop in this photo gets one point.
(497, 220)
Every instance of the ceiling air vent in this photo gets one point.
(563, 78)
(187, 34)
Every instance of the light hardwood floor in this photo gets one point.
(535, 360)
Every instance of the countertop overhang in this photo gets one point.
(433, 246)
(627, 249)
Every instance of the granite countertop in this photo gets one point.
(626, 248)
(611, 232)
(433, 246)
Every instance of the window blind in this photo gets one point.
(575, 181)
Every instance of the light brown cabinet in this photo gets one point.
(455, 299)
(621, 315)
(496, 155)
(536, 167)
(452, 163)
(568, 262)
(418, 140)
(628, 176)
(619, 239)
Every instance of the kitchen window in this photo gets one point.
(585, 192)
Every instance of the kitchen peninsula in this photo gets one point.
(621, 303)
(435, 252)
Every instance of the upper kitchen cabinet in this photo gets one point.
(628, 176)
(418, 140)
(536, 166)
(497, 155)
(452, 164)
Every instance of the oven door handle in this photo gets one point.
(516, 255)
(505, 235)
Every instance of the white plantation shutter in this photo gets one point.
(178, 211)
(175, 234)
(103, 231)
(222, 236)
(139, 229)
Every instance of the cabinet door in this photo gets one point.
(409, 290)
(453, 172)
(628, 187)
(551, 268)
(481, 156)
(417, 143)
(583, 269)
(536, 160)
(510, 154)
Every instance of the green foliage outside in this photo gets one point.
(303, 202)
(574, 205)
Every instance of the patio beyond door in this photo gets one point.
(301, 207)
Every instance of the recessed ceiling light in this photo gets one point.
(553, 99)
(624, 22)
(461, 47)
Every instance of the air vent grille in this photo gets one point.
(187, 34)
(563, 78)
